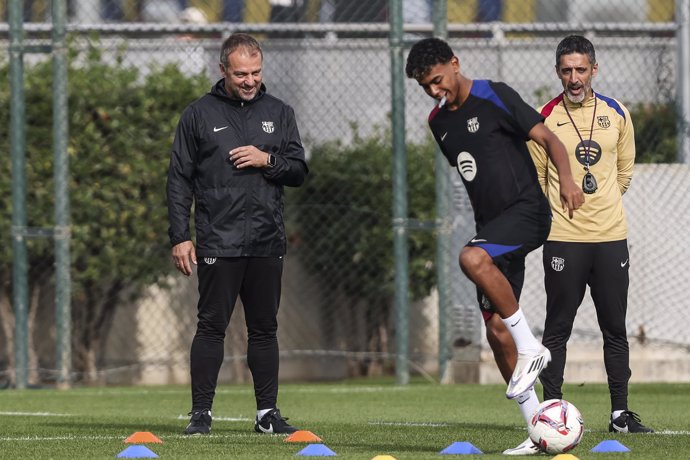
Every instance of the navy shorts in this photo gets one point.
(508, 238)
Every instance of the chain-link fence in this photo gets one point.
(134, 65)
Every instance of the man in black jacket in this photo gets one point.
(234, 150)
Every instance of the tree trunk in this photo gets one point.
(7, 321)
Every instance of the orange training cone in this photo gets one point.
(143, 437)
(302, 436)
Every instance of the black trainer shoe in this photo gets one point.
(273, 422)
(628, 422)
(200, 423)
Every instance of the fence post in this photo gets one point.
(20, 292)
(443, 223)
(683, 79)
(62, 214)
(400, 229)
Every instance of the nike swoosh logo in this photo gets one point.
(479, 240)
(619, 429)
(623, 264)
(515, 323)
(215, 130)
(444, 135)
(267, 430)
(561, 124)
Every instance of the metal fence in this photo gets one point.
(331, 61)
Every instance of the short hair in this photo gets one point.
(575, 44)
(425, 54)
(239, 40)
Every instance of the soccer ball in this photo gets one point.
(556, 426)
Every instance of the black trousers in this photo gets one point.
(568, 269)
(257, 281)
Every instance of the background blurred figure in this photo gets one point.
(232, 10)
(166, 11)
(192, 15)
(112, 10)
(417, 11)
(489, 10)
(287, 10)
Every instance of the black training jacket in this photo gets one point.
(237, 212)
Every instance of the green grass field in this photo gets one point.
(357, 420)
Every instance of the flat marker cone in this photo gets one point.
(383, 457)
(461, 448)
(317, 450)
(302, 436)
(565, 457)
(137, 452)
(610, 445)
(143, 437)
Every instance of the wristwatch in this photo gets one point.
(271, 161)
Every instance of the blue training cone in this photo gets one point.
(610, 445)
(137, 452)
(461, 448)
(317, 450)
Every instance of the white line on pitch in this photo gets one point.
(410, 424)
(35, 414)
(58, 438)
(684, 433)
(108, 438)
(222, 419)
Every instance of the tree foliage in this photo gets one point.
(656, 138)
(121, 126)
(342, 216)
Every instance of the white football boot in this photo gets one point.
(527, 371)
(527, 447)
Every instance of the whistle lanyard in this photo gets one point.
(591, 129)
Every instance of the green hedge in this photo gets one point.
(343, 216)
(121, 127)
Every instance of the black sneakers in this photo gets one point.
(273, 422)
(628, 422)
(200, 423)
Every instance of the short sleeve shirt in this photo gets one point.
(485, 139)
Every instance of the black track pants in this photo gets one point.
(568, 269)
(257, 281)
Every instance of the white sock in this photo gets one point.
(616, 413)
(260, 413)
(525, 341)
(528, 402)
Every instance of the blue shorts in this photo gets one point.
(508, 238)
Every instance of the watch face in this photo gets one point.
(271, 160)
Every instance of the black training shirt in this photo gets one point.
(485, 138)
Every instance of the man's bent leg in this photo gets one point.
(502, 345)
(479, 267)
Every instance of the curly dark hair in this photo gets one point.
(425, 54)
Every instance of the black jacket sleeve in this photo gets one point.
(291, 165)
(180, 188)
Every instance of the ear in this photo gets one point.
(222, 68)
(455, 64)
(595, 69)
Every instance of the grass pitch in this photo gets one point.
(356, 420)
